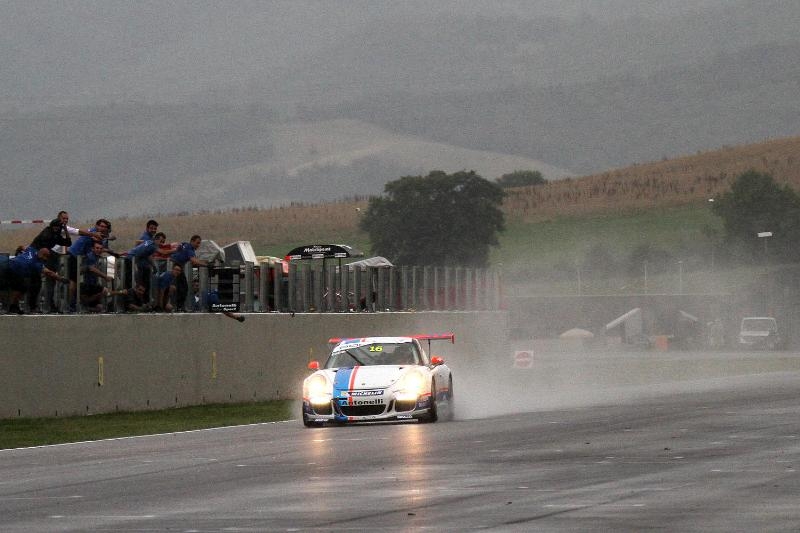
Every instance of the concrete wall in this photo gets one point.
(82, 364)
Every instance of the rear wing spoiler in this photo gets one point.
(438, 337)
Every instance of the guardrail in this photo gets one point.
(308, 286)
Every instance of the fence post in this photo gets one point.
(328, 288)
(436, 287)
(291, 293)
(249, 287)
(447, 295)
(120, 275)
(78, 283)
(277, 281)
(263, 280)
(403, 304)
(426, 297)
(468, 289)
(345, 277)
(458, 300)
(61, 290)
(414, 288)
(380, 300)
(203, 278)
(371, 288)
(306, 283)
(497, 300)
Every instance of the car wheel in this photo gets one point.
(433, 410)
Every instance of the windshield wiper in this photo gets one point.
(348, 352)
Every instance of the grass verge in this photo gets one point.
(23, 432)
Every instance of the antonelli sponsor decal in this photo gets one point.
(350, 401)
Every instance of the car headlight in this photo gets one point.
(318, 391)
(411, 385)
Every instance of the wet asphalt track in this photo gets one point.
(711, 455)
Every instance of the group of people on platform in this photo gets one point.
(23, 274)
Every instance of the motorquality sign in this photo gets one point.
(322, 251)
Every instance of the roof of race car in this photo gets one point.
(342, 344)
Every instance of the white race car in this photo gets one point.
(379, 378)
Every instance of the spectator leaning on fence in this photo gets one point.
(183, 254)
(80, 248)
(167, 287)
(149, 234)
(92, 289)
(142, 256)
(51, 237)
(20, 270)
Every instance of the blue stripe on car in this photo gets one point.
(341, 382)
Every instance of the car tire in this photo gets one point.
(433, 410)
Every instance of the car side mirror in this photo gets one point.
(313, 365)
(436, 360)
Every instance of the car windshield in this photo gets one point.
(379, 353)
(759, 324)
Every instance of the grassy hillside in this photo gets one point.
(551, 228)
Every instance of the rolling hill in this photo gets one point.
(660, 185)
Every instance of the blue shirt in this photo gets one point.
(92, 260)
(182, 254)
(83, 245)
(143, 251)
(26, 264)
(165, 279)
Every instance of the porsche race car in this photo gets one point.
(377, 379)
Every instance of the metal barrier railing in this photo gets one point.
(304, 287)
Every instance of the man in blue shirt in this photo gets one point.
(149, 234)
(184, 254)
(167, 287)
(142, 255)
(80, 248)
(51, 237)
(92, 289)
(21, 269)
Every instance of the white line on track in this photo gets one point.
(148, 436)
(10, 498)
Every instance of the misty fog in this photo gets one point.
(163, 107)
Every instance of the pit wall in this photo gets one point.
(80, 364)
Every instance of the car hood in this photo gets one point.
(368, 377)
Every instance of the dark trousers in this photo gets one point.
(181, 292)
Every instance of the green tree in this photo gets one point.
(521, 178)
(439, 219)
(756, 203)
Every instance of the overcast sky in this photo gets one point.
(68, 52)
